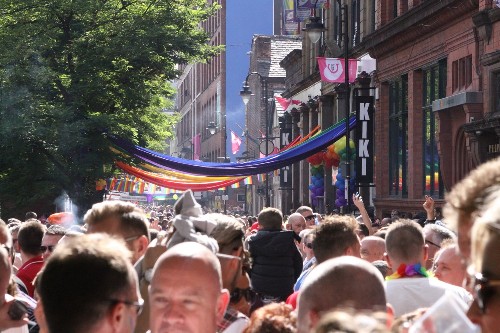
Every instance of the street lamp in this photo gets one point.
(314, 27)
(314, 30)
(245, 94)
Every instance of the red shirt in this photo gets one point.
(28, 271)
(292, 299)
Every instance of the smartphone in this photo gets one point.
(17, 310)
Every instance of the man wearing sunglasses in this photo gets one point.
(89, 285)
(308, 214)
(50, 239)
(485, 268)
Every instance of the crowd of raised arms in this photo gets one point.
(126, 268)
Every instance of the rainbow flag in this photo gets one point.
(248, 180)
(121, 185)
(112, 184)
(141, 187)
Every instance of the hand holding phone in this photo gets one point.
(17, 310)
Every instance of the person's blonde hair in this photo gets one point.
(467, 196)
(485, 228)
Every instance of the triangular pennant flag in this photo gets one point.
(285, 103)
(235, 143)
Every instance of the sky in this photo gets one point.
(244, 19)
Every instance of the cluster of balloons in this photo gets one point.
(317, 185)
(340, 185)
(340, 150)
(332, 157)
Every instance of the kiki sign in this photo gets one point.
(364, 135)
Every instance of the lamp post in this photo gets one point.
(245, 94)
(314, 29)
(212, 128)
(347, 107)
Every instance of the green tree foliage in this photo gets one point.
(72, 71)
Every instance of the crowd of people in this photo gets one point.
(179, 269)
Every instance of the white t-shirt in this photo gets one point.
(409, 294)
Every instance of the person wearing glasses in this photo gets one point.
(50, 239)
(308, 214)
(434, 235)
(448, 264)
(485, 269)
(89, 285)
(122, 219)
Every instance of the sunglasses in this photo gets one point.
(309, 245)
(238, 293)
(310, 217)
(484, 290)
(139, 305)
(48, 247)
(432, 243)
(9, 249)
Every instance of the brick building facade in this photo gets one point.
(436, 67)
(437, 91)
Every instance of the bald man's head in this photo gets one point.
(297, 222)
(343, 282)
(186, 292)
(372, 248)
(192, 253)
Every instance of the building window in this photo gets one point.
(240, 197)
(373, 12)
(337, 21)
(355, 22)
(461, 73)
(398, 137)
(434, 87)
